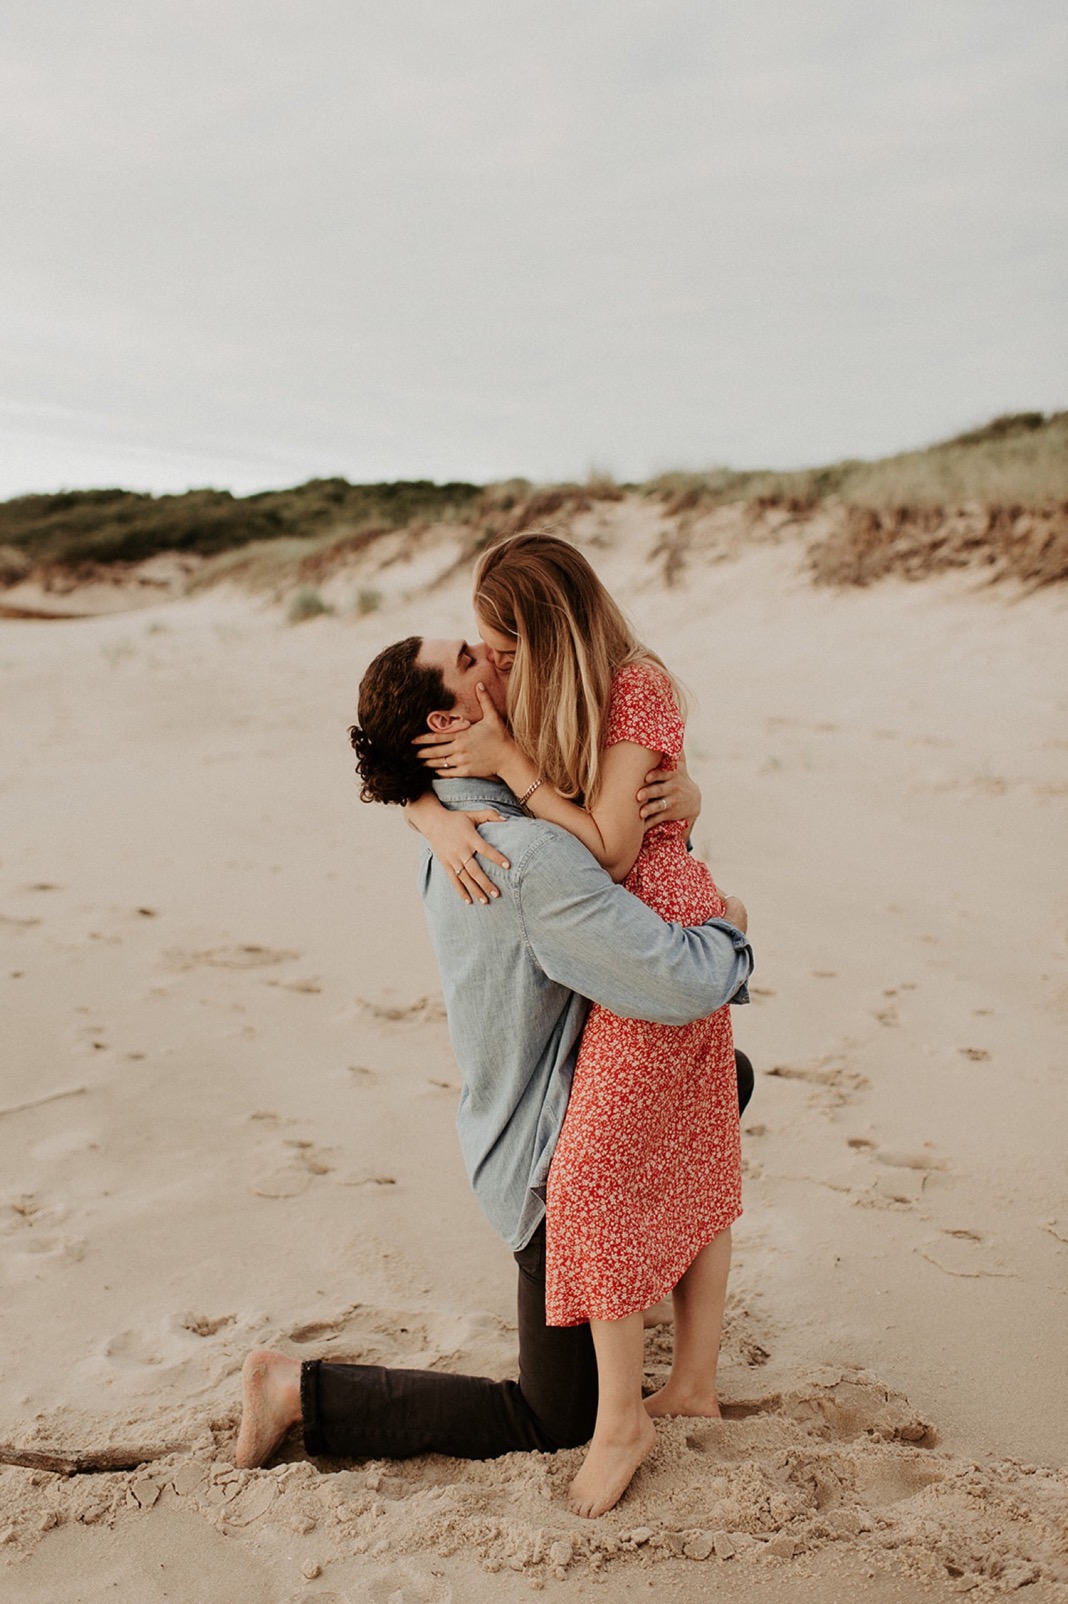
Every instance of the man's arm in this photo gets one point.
(599, 940)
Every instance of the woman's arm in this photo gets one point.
(454, 841)
(612, 830)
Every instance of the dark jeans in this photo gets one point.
(371, 1412)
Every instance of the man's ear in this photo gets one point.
(442, 721)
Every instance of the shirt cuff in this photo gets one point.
(741, 944)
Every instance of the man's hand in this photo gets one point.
(735, 914)
(668, 795)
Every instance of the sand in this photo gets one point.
(227, 1098)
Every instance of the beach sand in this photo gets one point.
(227, 1100)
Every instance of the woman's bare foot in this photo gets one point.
(270, 1387)
(675, 1400)
(608, 1468)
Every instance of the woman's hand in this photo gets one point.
(669, 795)
(454, 841)
(466, 750)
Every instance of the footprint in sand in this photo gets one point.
(133, 1350)
(836, 1085)
(903, 1177)
(815, 1076)
(898, 1186)
(202, 1325)
(322, 1330)
(368, 1334)
(911, 1161)
(19, 1212)
(964, 1253)
(31, 1256)
(403, 1584)
(844, 1410)
(12, 923)
(294, 1175)
(423, 1011)
(30, 1225)
(171, 1343)
(241, 957)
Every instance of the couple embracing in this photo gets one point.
(587, 960)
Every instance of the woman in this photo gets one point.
(645, 1181)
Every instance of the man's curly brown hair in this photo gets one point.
(396, 694)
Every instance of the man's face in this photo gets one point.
(462, 668)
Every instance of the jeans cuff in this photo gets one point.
(309, 1407)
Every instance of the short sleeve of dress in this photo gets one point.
(643, 710)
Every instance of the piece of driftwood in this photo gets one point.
(120, 1456)
(49, 1097)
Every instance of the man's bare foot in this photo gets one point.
(607, 1470)
(676, 1400)
(270, 1388)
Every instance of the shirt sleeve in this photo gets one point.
(591, 935)
(643, 710)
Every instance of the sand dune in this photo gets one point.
(227, 1099)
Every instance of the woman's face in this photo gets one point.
(501, 647)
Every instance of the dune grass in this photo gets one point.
(994, 496)
(1020, 459)
(106, 526)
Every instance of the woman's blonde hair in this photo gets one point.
(571, 639)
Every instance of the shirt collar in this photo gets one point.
(476, 793)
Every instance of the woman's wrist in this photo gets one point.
(529, 792)
(519, 775)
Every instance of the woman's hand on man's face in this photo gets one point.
(466, 750)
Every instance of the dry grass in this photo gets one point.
(1028, 545)
(994, 498)
(1016, 460)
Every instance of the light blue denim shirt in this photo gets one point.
(518, 977)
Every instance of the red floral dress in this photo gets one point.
(648, 1166)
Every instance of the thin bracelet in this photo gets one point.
(529, 792)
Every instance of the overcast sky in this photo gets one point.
(249, 242)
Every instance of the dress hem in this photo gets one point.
(675, 1278)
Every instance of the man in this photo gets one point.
(517, 976)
